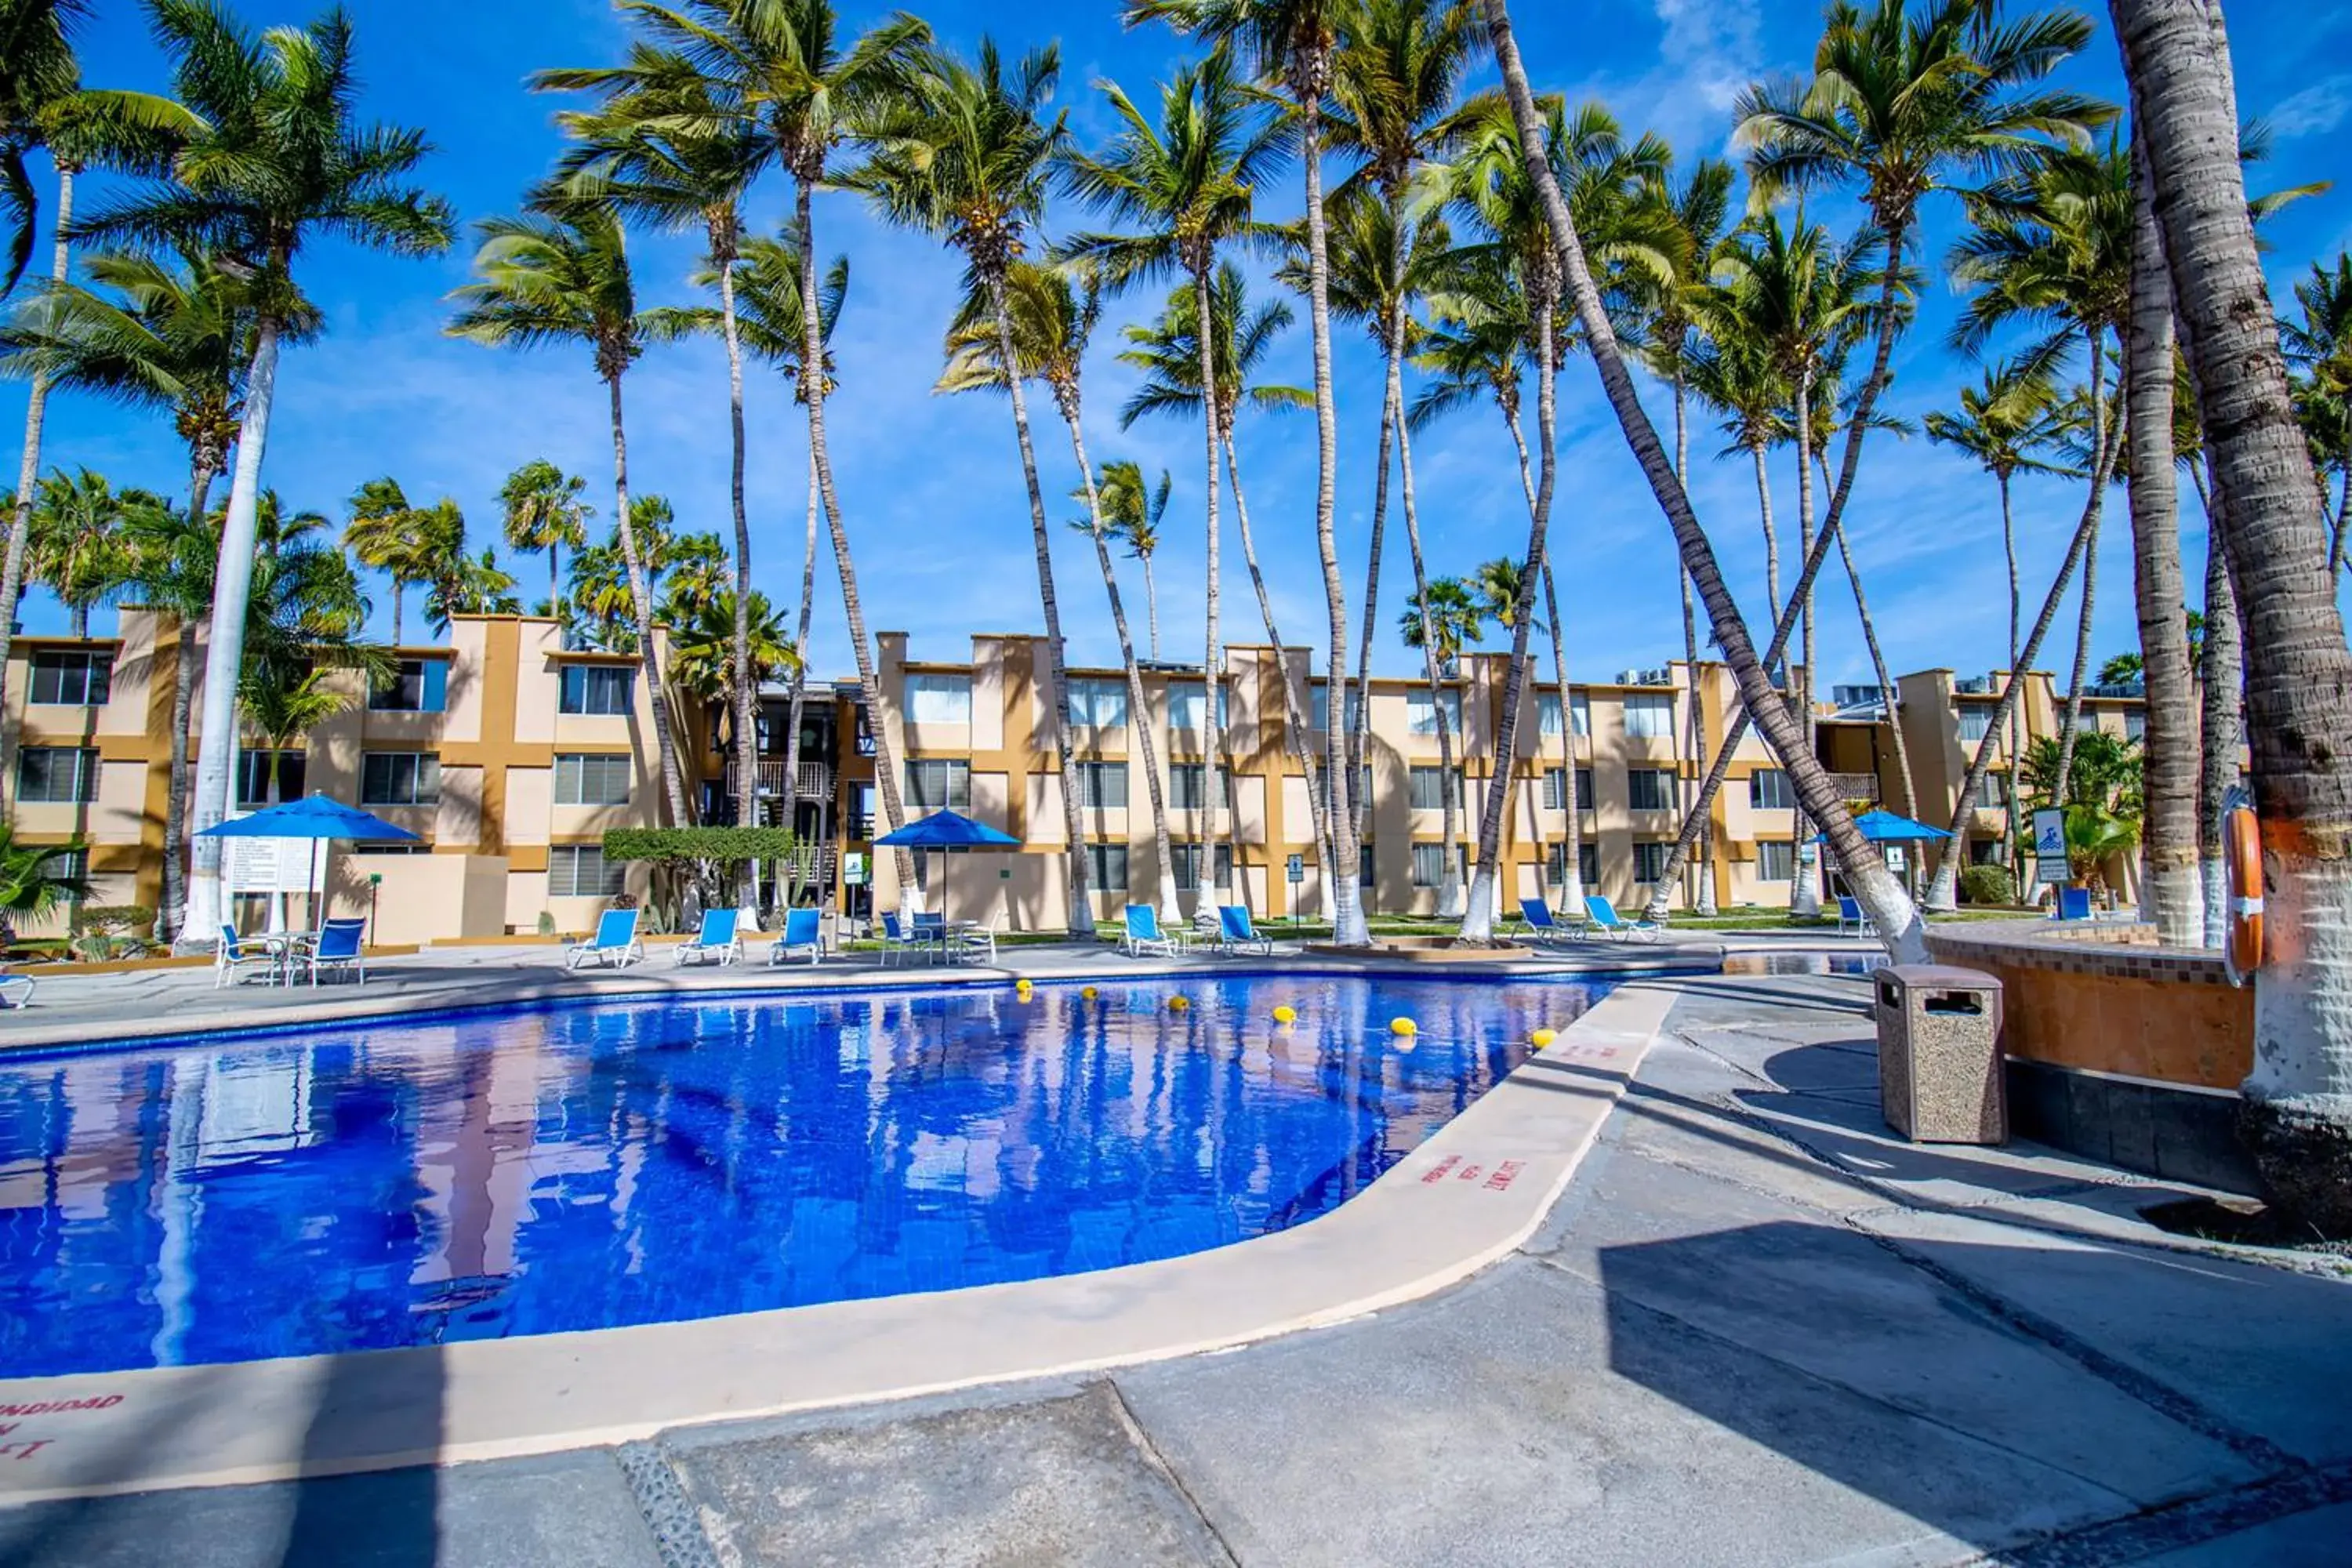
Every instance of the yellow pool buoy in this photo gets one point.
(1401, 1026)
(1543, 1038)
(1088, 993)
(1177, 1004)
(1285, 1014)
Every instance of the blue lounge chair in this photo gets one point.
(718, 940)
(897, 940)
(803, 932)
(1143, 934)
(337, 946)
(16, 990)
(615, 942)
(237, 954)
(1852, 921)
(2073, 903)
(1543, 930)
(1604, 915)
(1236, 933)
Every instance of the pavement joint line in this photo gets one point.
(669, 1513)
(2192, 1521)
(1149, 1450)
(1924, 1418)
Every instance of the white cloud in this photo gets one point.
(2315, 111)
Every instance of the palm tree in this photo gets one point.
(965, 156)
(1188, 182)
(1696, 213)
(785, 68)
(175, 554)
(770, 302)
(702, 659)
(1292, 43)
(149, 334)
(275, 161)
(545, 511)
(1891, 911)
(1443, 618)
(691, 572)
(1496, 184)
(560, 275)
(2002, 423)
(44, 105)
(384, 536)
(668, 146)
(2177, 66)
(1131, 516)
(76, 547)
(30, 883)
(2320, 345)
(1051, 316)
(1169, 354)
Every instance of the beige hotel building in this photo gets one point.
(509, 755)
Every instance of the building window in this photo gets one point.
(1107, 866)
(67, 866)
(1098, 704)
(1318, 704)
(1650, 861)
(1554, 781)
(1364, 868)
(400, 778)
(253, 776)
(938, 699)
(1421, 711)
(1429, 864)
(1185, 792)
(939, 784)
(1650, 716)
(580, 871)
(1427, 787)
(1189, 699)
(1768, 790)
(1974, 723)
(1587, 863)
(1187, 857)
(420, 686)
(1363, 788)
(57, 774)
(1102, 785)
(1650, 789)
(594, 688)
(1776, 861)
(1579, 708)
(1992, 791)
(592, 779)
(66, 678)
(2135, 724)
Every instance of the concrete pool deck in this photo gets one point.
(1755, 1328)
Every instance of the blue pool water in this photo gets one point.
(421, 1181)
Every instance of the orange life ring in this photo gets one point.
(2241, 852)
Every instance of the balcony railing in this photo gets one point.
(1856, 786)
(815, 781)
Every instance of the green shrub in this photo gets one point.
(106, 920)
(546, 924)
(1987, 884)
(684, 845)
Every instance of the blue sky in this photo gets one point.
(931, 486)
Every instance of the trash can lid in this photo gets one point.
(1949, 976)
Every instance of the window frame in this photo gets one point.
(1099, 860)
(1764, 855)
(613, 875)
(89, 769)
(1554, 782)
(1422, 709)
(592, 678)
(1650, 855)
(97, 671)
(432, 688)
(916, 797)
(1757, 791)
(418, 797)
(579, 767)
(1649, 704)
(952, 689)
(1185, 858)
(1092, 778)
(1192, 694)
(1094, 689)
(1635, 777)
(293, 774)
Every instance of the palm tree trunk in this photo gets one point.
(1356, 726)
(2223, 683)
(397, 586)
(2073, 710)
(554, 577)
(800, 675)
(1695, 729)
(1295, 717)
(746, 683)
(641, 599)
(1571, 875)
(2298, 1112)
(1772, 539)
(1068, 402)
(28, 471)
(869, 686)
(1478, 919)
(1151, 604)
(225, 650)
(2170, 761)
(1805, 892)
(174, 924)
(1348, 929)
(1942, 894)
(2336, 555)
(1212, 675)
(2010, 820)
(1880, 894)
(1056, 663)
(1449, 881)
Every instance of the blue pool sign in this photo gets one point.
(1297, 871)
(2050, 845)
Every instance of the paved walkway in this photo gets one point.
(1755, 1330)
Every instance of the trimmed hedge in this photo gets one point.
(685, 846)
(1987, 884)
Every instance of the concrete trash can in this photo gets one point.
(1940, 1072)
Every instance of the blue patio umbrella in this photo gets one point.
(1885, 828)
(315, 816)
(949, 833)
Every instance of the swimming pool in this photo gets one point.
(591, 1165)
